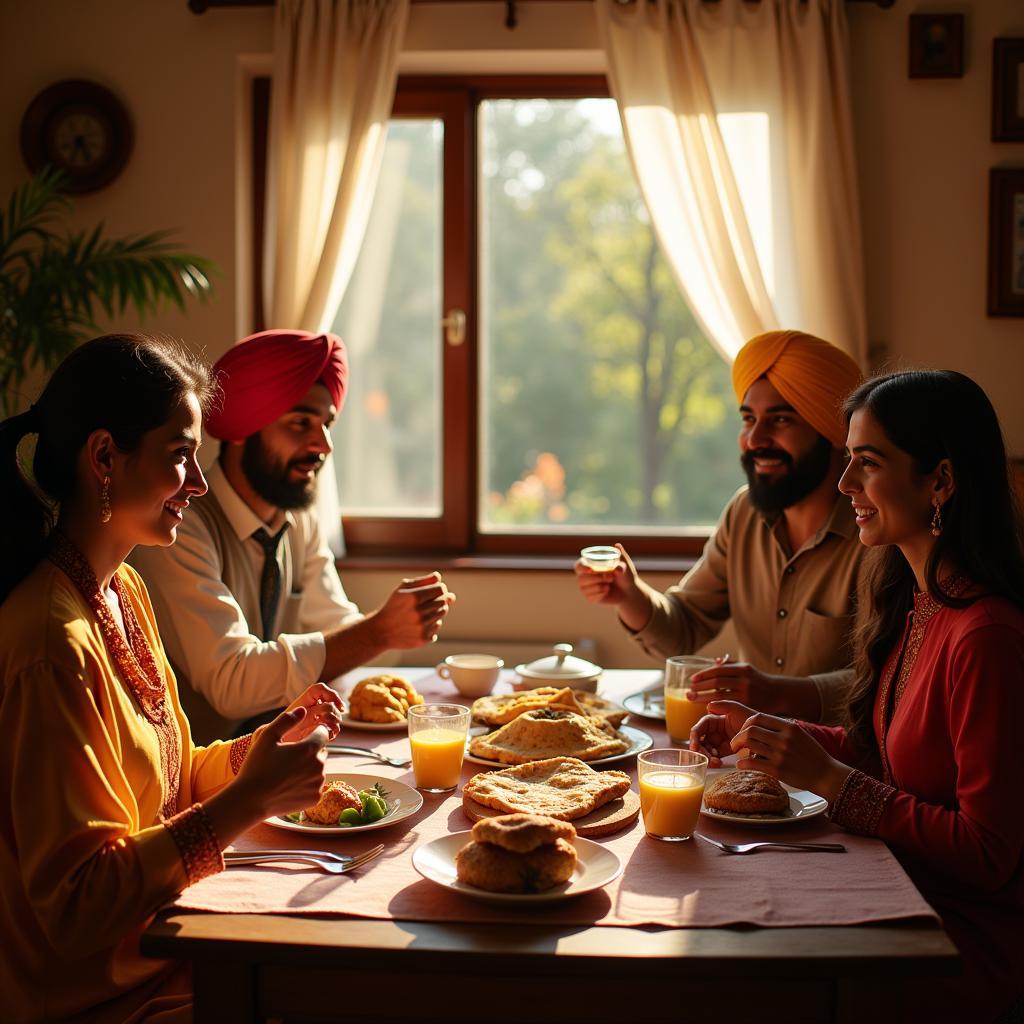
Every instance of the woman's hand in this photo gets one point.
(325, 709)
(780, 748)
(712, 735)
(279, 776)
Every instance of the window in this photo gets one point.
(570, 393)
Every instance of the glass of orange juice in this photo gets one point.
(437, 735)
(681, 715)
(671, 791)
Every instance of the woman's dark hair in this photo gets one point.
(128, 384)
(934, 415)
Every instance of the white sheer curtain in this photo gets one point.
(333, 84)
(737, 120)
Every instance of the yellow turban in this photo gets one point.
(811, 375)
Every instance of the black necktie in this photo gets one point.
(270, 578)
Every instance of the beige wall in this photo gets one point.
(923, 150)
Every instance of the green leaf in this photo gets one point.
(54, 282)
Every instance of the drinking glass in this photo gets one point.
(671, 791)
(601, 558)
(681, 715)
(437, 736)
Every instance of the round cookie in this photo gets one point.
(489, 867)
(522, 833)
(747, 792)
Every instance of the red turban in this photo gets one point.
(266, 374)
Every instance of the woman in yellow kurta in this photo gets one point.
(108, 810)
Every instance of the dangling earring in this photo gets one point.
(937, 520)
(105, 501)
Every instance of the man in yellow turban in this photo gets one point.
(784, 561)
(250, 604)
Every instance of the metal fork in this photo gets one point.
(751, 847)
(394, 762)
(341, 858)
(332, 867)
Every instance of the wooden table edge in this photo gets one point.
(363, 943)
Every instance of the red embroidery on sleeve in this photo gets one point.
(197, 843)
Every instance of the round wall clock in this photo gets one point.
(80, 128)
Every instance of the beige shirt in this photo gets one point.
(205, 589)
(793, 613)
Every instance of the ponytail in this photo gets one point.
(26, 518)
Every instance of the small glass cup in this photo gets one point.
(437, 736)
(681, 715)
(601, 558)
(671, 792)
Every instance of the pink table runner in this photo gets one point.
(671, 884)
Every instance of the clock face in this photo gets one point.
(79, 139)
(79, 128)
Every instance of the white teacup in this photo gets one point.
(474, 675)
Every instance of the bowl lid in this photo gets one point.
(561, 666)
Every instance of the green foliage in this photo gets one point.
(53, 285)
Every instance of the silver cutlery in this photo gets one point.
(394, 762)
(342, 858)
(332, 867)
(751, 847)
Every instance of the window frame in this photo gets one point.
(455, 101)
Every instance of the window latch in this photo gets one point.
(454, 325)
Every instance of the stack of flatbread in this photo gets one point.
(500, 709)
(546, 732)
(564, 788)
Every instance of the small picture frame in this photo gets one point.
(1008, 90)
(1006, 242)
(936, 46)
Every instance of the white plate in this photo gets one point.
(408, 801)
(596, 866)
(355, 723)
(654, 707)
(803, 804)
(639, 741)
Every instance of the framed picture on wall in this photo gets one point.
(936, 46)
(1006, 242)
(1008, 90)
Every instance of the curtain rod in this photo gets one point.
(199, 6)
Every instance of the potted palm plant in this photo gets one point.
(54, 283)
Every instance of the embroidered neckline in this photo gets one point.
(925, 608)
(133, 657)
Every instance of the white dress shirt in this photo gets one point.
(206, 593)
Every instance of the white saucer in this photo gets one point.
(803, 804)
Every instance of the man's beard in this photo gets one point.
(772, 496)
(269, 477)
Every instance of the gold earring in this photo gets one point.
(937, 520)
(105, 501)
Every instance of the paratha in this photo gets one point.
(536, 735)
(502, 708)
(559, 787)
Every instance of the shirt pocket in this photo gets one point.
(823, 642)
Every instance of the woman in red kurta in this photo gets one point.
(930, 762)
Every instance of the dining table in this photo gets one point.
(684, 930)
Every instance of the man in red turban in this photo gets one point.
(250, 604)
(784, 561)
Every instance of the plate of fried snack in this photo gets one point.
(756, 798)
(380, 703)
(546, 732)
(517, 858)
(564, 788)
(353, 803)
